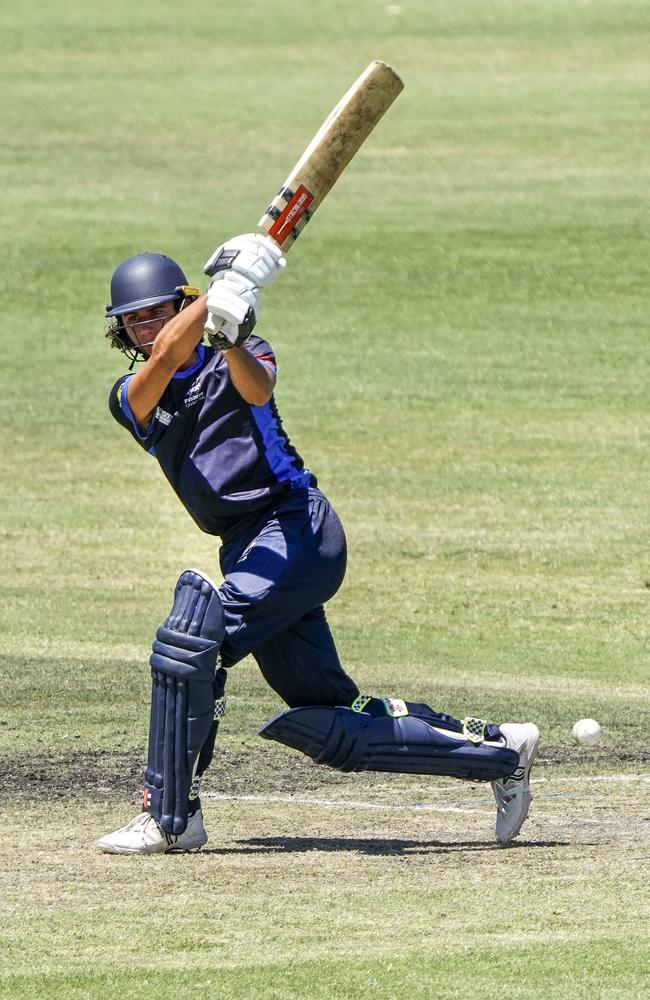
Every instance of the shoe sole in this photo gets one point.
(527, 794)
(186, 850)
(141, 850)
(172, 849)
(528, 798)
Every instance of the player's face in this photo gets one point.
(144, 325)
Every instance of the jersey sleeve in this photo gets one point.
(263, 351)
(118, 404)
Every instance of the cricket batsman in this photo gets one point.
(206, 413)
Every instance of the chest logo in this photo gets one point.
(195, 395)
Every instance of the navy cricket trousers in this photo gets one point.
(276, 581)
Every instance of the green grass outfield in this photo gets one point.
(462, 338)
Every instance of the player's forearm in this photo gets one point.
(172, 348)
(180, 336)
(253, 381)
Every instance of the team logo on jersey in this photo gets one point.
(163, 417)
(194, 395)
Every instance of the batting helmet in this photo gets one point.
(140, 282)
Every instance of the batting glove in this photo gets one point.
(233, 304)
(255, 257)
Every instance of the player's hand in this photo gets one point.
(233, 304)
(255, 257)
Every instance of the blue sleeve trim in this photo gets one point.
(280, 463)
(185, 372)
(128, 413)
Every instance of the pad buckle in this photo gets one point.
(474, 729)
(360, 702)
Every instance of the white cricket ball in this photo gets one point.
(586, 732)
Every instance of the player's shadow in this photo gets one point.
(376, 846)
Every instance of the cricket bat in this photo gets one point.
(340, 136)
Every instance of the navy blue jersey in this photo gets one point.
(226, 459)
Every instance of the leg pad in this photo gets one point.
(183, 668)
(358, 741)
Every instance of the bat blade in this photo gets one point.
(338, 139)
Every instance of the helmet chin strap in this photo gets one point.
(137, 355)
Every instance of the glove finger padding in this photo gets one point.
(233, 304)
(230, 296)
(255, 257)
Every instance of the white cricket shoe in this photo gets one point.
(513, 793)
(143, 836)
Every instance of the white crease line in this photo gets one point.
(439, 789)
(621, 778)
(417, 806)
(337, 803)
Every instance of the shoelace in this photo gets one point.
(140, 820)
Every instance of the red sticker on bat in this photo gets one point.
(289, 215)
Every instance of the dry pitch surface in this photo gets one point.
(276, 812)
(593, 796)
(319, 879)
